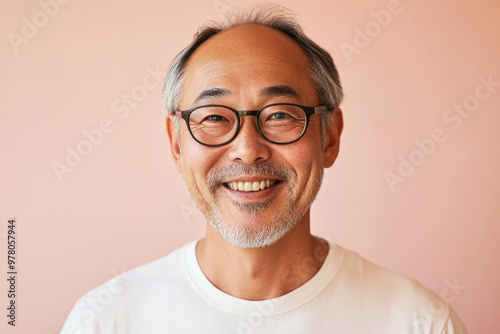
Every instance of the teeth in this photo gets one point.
(251, 186)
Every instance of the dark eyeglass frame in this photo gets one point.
(185, 114)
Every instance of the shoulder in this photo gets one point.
(165, 270)
(375, 277)
(123, 296)
(394, 296)
(359, 270)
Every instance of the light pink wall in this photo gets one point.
(124, 203)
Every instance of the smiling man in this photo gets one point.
(253, 121)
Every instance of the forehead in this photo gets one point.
(245, 60)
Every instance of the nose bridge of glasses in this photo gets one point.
(249, 113)
(242, 113)
(249, 142)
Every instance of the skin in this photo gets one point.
(244, 61)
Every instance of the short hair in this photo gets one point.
(324, 74)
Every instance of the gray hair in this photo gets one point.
(324, 75)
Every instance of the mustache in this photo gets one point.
(275, 171)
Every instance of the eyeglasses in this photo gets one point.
(279, 123)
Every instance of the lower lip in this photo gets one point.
(254, 195)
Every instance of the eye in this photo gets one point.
(279, 115)
(215, 118)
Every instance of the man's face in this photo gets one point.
(246, 68)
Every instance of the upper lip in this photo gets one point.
(252, 178)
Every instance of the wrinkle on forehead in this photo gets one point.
(240, 57)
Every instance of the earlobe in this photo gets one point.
(174, 142)
(332, 139)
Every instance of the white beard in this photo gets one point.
(256, 237)
(254, 234)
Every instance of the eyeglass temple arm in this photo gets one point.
(323, 110)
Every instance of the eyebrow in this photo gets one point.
(271, 91)
(280, 91)
(209, 93)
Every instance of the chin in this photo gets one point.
(252, 234)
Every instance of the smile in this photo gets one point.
(250, 186)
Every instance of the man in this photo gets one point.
(253, 121)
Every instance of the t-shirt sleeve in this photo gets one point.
(73, 324)
(453, 324)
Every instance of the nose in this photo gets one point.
(249, 146)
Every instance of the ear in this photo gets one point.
(174, 142)
(332, 139)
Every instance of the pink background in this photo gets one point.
(124, 204)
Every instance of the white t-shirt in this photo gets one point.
(347, 295)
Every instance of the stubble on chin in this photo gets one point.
(253, 232)
(251, 208)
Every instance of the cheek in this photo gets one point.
(307, 160)
(196, 165)
(307, 164)
(197, 161)
(309, 148)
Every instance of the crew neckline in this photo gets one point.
(268, 307)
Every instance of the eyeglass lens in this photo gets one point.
(213, 125)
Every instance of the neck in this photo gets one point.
(262, 273)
